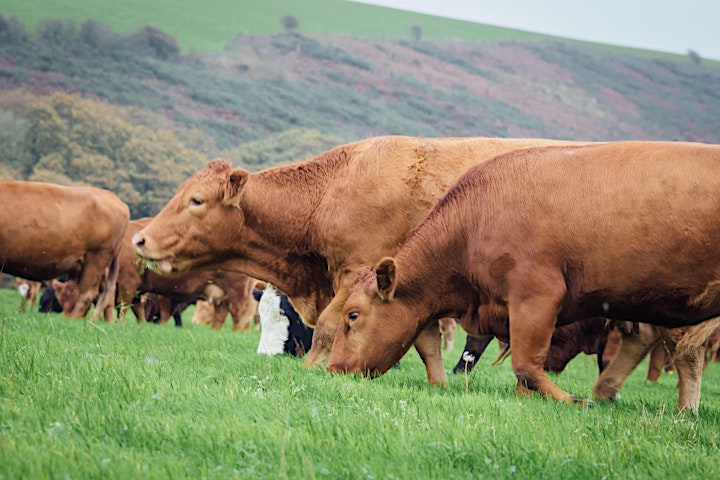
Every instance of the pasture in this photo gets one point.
(209, 25)
(123, 400)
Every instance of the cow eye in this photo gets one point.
(352, 316)
(195, 201)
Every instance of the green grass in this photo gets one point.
(79, 400)
(209, 25)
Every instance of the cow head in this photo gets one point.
(378, 326)
(199, 222)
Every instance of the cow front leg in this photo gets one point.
(532, 321)
(429, 346)
(632, 349)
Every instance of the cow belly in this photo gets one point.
(666, 309)
(30, 269)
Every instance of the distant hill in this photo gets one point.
(210, 24)
(265, 99)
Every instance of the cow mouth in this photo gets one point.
(161, 266)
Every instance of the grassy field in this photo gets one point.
(209, 25)
(125, 400)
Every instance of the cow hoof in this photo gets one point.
(584, 403)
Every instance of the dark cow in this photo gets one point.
(281, 328)
(74, 231)
(48, 301)
(304, 227)
(159, 308)
(588, 336)
(549, 236)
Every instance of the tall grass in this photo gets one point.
(123, 400)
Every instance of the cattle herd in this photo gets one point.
(554, 248)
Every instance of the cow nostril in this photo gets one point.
(138, 240)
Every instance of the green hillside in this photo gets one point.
(210, 24)
(130, 110)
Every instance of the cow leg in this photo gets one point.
(241, 318)
(447, 329)
(632, 349)
(689, 366)
(138, 308)
(221, 312)
(474, 348)
(88, 285)
(105, 304)
(658, 360)
(166, 309)
(532, 321)
(429, 346)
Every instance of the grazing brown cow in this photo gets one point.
(305, 227)
(548, 236)
(73, 231)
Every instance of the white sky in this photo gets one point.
(664, 25)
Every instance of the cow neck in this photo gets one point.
(430, 272)
(277, 241)
(279, 210)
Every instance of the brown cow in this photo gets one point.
(73, 231)
(548, 236)
(305, 227)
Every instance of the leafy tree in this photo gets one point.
(96, 35)
(11, 31)
(153, 42)
(416, 32)
(74, 141)
(58, 33)
(694, 57)
(290, 23)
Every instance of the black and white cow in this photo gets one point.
(281, 328)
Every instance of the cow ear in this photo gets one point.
(386, 278)
(234, 187)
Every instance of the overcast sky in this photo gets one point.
(665, 25)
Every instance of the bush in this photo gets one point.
(12, 32)
(153, 42)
